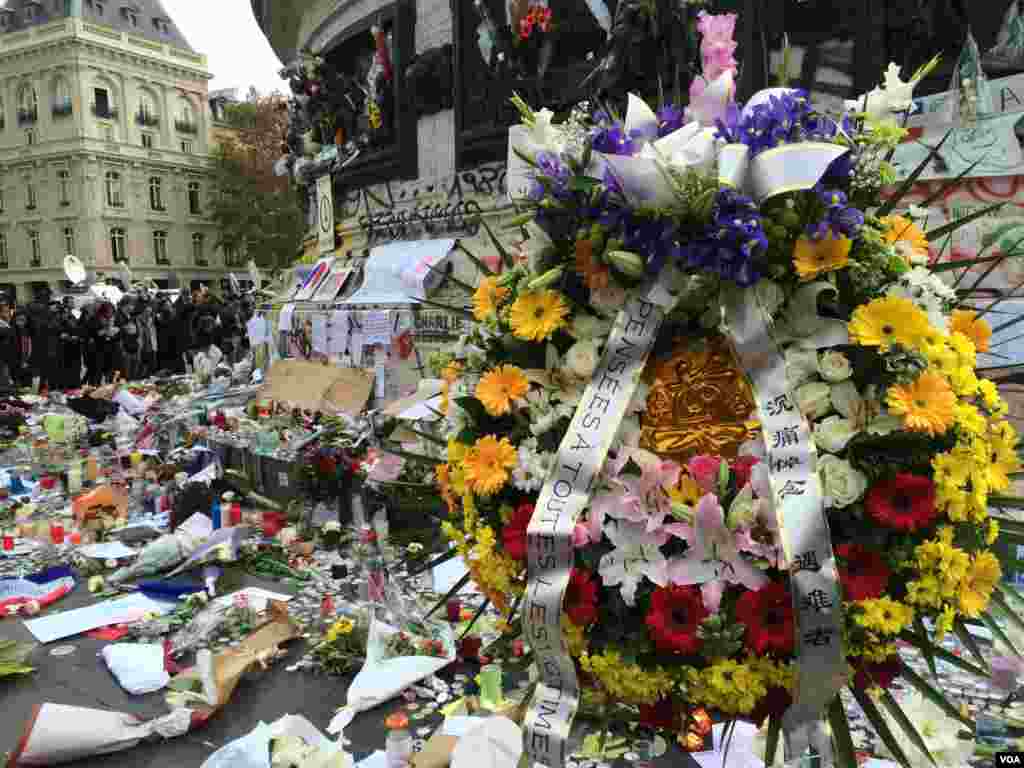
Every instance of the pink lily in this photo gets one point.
(713, 559)
(646, 495)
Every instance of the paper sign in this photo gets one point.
(317, 276)
(399, 273)
(75, 622)
(460, 725)
(320, 334)
(317, 387)
(284, 322)
(339, 335)
(377, 327)
(113, 550)
(258, 598)
(256, 329)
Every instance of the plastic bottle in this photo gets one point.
(398, 746)
(215, 513)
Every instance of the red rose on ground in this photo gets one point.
(768, 616)
(864, 575)
(661, 715)
(868, 675)
(673, 619)
(906, 503)
(513, 535)
(772, 704)
(581, 598)
(741, 468)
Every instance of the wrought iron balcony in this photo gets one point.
(182, 126)
(146, 119)
(106, 113)
(28, 116)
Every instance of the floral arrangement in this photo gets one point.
(880, 354)
(537, 20)
(343, 648)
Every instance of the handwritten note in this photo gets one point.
(377, 327)
(320, 334)
(256, 329)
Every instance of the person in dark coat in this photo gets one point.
(45, 340)
(23, 334)
(9, 354)
(72, 342)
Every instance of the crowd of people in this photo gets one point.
(60, 344)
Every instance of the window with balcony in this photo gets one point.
(28, 105)
(147, 141)
(69, 241)
(130, 16)
(186, 146)
(31, 199)
(186, 120)
(160, 247)
(146, 116)
(4, 261)
(115, 197)
(102, 105)
(34, 251)
(31, 137)
(62, 105)
(117, 251)
(198, 251)
(64, 186)
(156, 193)
(194, 206)
(3, 201)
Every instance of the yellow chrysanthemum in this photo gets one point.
(906, 236)
(969, 419)
(625, 681)
(815, 257)
(992, 533)
(884, 615)
(887, 321)
(976, 589)
(339, 628)
(535, 316)
(499, 387)
(950, 470)
(945, 621)
(977, 329)
(990, 398)
(487, 298)
(926, 404)
(488, 463)
(575, 637)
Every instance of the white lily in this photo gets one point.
(637, 555)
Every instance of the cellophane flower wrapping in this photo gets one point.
(880, 357)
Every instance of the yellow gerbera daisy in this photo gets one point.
(537, 315)
(487, 298)
(977, 329)
(814, 257)
(488, 463)
(906, 236)
(926, 405)
(887, 321)
(950, 470)
(976, 589)
(499, 387)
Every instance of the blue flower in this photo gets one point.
(731, 243)
(553, 175)
(670, 118)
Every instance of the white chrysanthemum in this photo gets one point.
(532, 467)
(927, 291)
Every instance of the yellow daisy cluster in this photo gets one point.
(339, 628)
(871, 652)
(575, 637)
(883, 616)
(625, 681)
(950, 580)
(735, 687)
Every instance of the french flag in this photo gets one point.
(45, 588)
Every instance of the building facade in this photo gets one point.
(105, 135)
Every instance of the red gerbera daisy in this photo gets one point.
(906, 503)
(661, 715)
(675, 614)
(741, 467)
(581, 598)
(864, 575)
(513, 535)
(768, 616)
(772, 704)
(867, 675)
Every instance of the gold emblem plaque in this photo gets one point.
(699, 403)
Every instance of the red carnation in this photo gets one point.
(581, 598)
(513, 535)
(906, 503)
(661, 715)
(741, 467)
(864, 575)
(675, 614)
(768, 616)
(868, 675)
(772, 704)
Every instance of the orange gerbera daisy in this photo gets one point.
(975, 328)
(814, 257)
(488, 463)
(907, 237)
(499, 387)
(487, 298)
(926, 404)
(594, 273)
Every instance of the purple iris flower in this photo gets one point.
(733, 240)
(613, 140)
(670, 118)
(553, 175)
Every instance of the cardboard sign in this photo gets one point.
(318, 387)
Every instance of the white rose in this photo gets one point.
(814, 399)
(834, 366)
(582, 359)
(843, 485)
(801, 365)
(846, 399)
(834, 433)
(588, 327)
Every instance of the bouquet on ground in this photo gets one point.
(681, 594)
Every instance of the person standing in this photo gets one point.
(9, 354)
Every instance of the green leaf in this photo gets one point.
(1006, 502)
(943, 655)
(479, 264)
(477, 615)
(968, 641)
(583, 184)
(926, 643)
(846, 753)
(949, 184)
(427, 436)
(506, 257)
(908, 183)
(419, 458)
(906, 724)
(997, 632)
(475, 409)
(933, 695)
(964, 264)
(1006, 591)
(772, 740)
(953, 226)
(999, 599)
(449, 595)
(881, 726)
